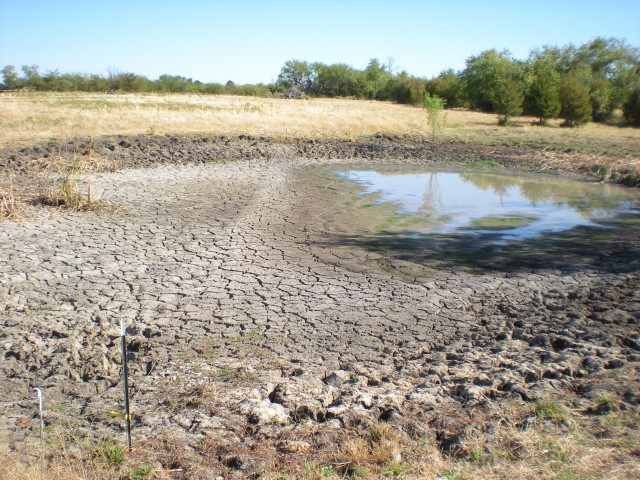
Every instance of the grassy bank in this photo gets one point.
(545, 440)
(26, 118)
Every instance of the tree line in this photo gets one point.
(30, 79)
(577, 83)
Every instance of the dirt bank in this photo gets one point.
(115, 152)
(252, 324)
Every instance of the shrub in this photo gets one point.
(631, 107)
(408, 90)
(506, 99)
(544, 96)
(576, 104)
(448, 86)
(434, 107)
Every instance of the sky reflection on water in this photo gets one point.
(507, 206)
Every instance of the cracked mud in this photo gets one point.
(245, 309)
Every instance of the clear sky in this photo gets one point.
(248, 41)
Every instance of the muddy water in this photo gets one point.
(487, 220)
(507, 206)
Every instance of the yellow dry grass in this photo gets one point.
(578, 448)
(26, 118)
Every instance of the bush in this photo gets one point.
(544, 96)
(448, 86)
(434, 107)
(408, 90)
(506, 100)
(631, 107)
(576, 104)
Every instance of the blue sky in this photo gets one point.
(248, 41)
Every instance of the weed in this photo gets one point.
(486, 164)
(192, 398)
(8, 206)
(604, 401)
(355, 472)
(232, 375)
(376, 434)
(549, 410)
(452, 474)
(327, 471)
(308, 470)
(571, 475)
(476, 455)
(602, 171)
(112, 454)
(139, 473)
(395, 470)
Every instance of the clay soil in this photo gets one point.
(264, 333)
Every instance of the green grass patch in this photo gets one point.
(485, 164)
(499, 223)
(549, 410)
(112, 454)
(142, 472)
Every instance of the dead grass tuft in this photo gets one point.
(67, 195)
(9, 208)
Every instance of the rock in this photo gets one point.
(267, 412)
(390, 415)
(365, 400)
(472, 394)
(335, 379)
(278, 394)
(294, 446)
(183, 421)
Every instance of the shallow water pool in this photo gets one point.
(507, 207)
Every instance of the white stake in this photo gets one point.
(40, 409)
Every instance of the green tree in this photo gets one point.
(174, 84)
(407, 90)
(449, 86)
(506, 99)
(337, 80)
(543, 99)
(375, 79)
(576, 104)
(96, 83)
(601, 97)
(31, 76)
(52, 81)
(10, 80)
(434, 106)
(296, 73)
(631, 107)
(484, 73)
(612, 68)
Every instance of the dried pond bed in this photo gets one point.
(252, 325)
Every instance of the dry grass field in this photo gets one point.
(26, 118)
